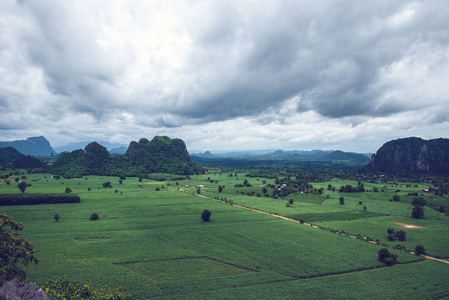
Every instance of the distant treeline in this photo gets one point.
(275, 164)
(31, 199)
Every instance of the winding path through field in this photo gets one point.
(314, 226)
(6, 179)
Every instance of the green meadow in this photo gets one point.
(154, 244)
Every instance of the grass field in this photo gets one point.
(154, 244)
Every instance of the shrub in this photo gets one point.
(68, 190)
(390, 231)
(205, 215)
(396, 198)
(56, 217)
(62, 288)
(420, 250)
(94, 216)
(342, 200)
(301, 221)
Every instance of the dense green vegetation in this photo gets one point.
(155, 244)
(10, 157)
(39, 198)
(161, 155)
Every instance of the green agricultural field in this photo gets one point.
(154, 243)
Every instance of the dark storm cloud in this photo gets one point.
(169, 64)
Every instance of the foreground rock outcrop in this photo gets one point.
(16, 290)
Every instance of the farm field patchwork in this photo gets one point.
(154, 244)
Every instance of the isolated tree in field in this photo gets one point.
(94, 216)
(420, 250)
(22, 186)
(57, 217)
(198, 191)
(107, 184)
(396, 198)
(220, 189)
(342, 200)
(418, 210)
(68, 190)
(14, 251)
(290, 201)
(400, 235)
(205, 215)
(264, 190)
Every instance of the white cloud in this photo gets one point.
(225, 75)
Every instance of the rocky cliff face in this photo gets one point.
(412, 155)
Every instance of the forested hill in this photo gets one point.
(10, 157)
(412, 155)
(31, 146)
(160, 155)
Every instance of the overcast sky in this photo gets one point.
(225, 75)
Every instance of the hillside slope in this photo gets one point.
(412, 155)
(31, 146)
(161, 155)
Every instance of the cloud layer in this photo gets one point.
(347, 75)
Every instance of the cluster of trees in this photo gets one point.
(398, 235)
(418, 208)
(161, 155)
(30, 199)
(386, 257)
(351, 189)
(244, 184)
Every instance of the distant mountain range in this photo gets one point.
(328, 155)
(162, 154)
(36, 146)
(81, 145)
